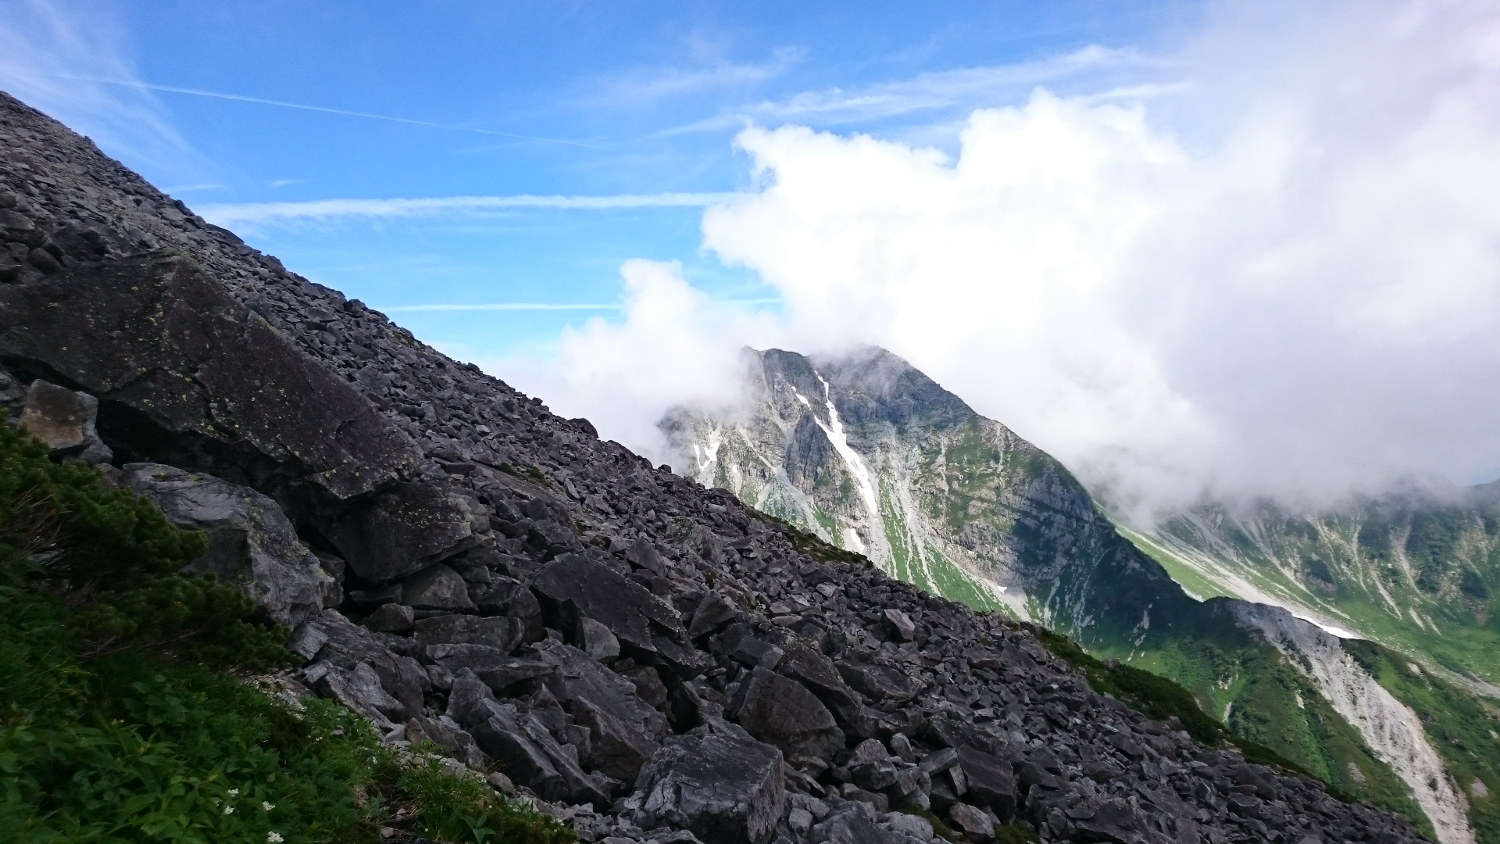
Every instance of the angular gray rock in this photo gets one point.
(723, 787)
(530, 755)
(391, 618)
(625, 730)
(209, 371)
(502, 634)
(851, 822)
(359, 689)
(436, 587)
(990, 781)
(578, 587)
(250, 542)
(780, 711)
(405, 528)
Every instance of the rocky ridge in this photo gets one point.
(651, 660)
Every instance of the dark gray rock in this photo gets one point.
(502, 634)
(436, 587)
(597, 640)
(406, 527)
(577, 587)
(250, 542)
(851, 822)
(972, 821)
(817, 673)
(492, 666)
(625, 730)
(782, 712)
(878, 680)
(358, 688)
(990, 780)
(529, 755)
(713, 613)
(207, 374)
(508, 597)
(390, 618)
(723, 787)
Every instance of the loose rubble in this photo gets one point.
(649, 660)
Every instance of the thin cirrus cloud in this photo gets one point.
(254, 213)
(972, 86)
(658, 83)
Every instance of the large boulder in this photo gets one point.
(721, 784)
(169, 352)
(332, 640)
(503, 634)
(624, 730)
(803, 663)
(991, 781)
(781, 711)
(436, 587)
(852, 822)
(528, 754)
(250, 543)
(574, 586)
(187, 376)
(404, 528)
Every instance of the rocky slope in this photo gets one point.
(653, 660)
(873, 456)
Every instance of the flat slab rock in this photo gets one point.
(158, 336)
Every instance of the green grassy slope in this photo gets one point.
(123, 713)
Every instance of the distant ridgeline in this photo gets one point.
(872, 456)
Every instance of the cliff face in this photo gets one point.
(873, 456)
(641, 653)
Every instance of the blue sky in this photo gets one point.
(1243, 246)
(505, 99)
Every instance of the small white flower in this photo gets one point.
(228, 810)
(234, 792)
(267, 805)
(274, 838)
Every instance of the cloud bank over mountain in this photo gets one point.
(1283, 278)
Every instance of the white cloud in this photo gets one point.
(1284, 280)
(253, 213)
(675, 346)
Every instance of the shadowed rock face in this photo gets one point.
(185, 375)
(250, 542)
(178, 363)
(577, 615)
